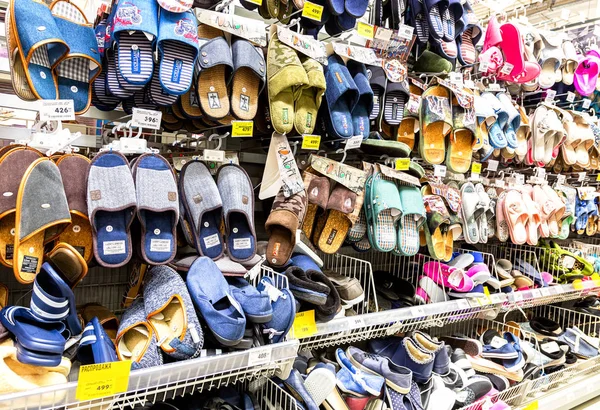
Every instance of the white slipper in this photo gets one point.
(319, 384)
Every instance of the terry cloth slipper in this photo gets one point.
(111, 207)
(74, 169)
(377, 81)
(203, 207)
(17, 72)
(113, 86)
(256, 305)
(304, 288)
(362, 110)
(283, 304)
(311, 94)
(337, 224)
(13, 164)
(383, 207)
(78, 70)
(287, 215)
(396, 96)
(107, 319)
(38, 343)
(42, 213)
(216, 63)
(248, 78)
(52, 300)
(435, 116)
(341, 96)
(170, 312)
(177, 46)
(95, 346)
(158, 95)
(318, 195)
(136, 340)
(410, 221)
(157, 207)
(211, 295)
(41, 46)
(237, 195)
(286, 76)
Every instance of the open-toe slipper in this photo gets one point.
(113, 86)
(435, 229)
(17, 72)
(362, 110)
(339, 205)
(434, 10)
(318, 195)
(383, 208)
(285, 218)
(378, 82)
(472, 208)
(460, 148)
(248, 79)
(496, 129)
(435, 116)
(396, 97)
(410, 221)
(157, 94)
(341, 95)
(311, 94)
(516, 216)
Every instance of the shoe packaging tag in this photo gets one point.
(413, 104)
(242, 243)
(250, 29)
(497, 342)
(507, 68)
(585, 104)
(212, 240)
(113, 247)
(160, 245)
(439, 171)
(303, 44)
(213, 155)
(145, 119)
(550, 347)
(570, 96)
(273, 292)
(356, 53)
(550, 94)
(351, 177)
(288, 169)
(194, 334)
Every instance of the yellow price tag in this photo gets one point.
(242, 128)
(476, 168)
(304, 324)
(598, 177)
(403, 164)
(311, 142)
(259, 2)
(101, 380)
(365, 30)
(487, 293)
(312, 11)
(532, 406)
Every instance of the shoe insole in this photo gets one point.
(113, 244)
(433, 143)
(209, 239)
(280, 245)
(134, 343)
(79, 235)
(244, 94)
(169, 323)
(158, 240)
(460, 151)
(240, 242)
(384, 233)
(177, 66)
(135, 63)
(7, 239)
(334, 232)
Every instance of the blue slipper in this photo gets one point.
(211, 295)
(283, 305)
(157, 94)
(256, 305)
(495, 131)
(113, 86)
(434, 10)
(341, 94)
(95, 346)
(111, 206)
(336, 7)
(364, 106)
(101, 99)
(356, 8)
(452, 20)
(38, 343)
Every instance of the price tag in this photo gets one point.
(484, 66)
(463, 304)
(355, 322)
(494, 87)
(383, 34)
(545, 292)
(560, 179)
(556, 289)
(242, 129)
(101, 380)
(214, 155)
(598, 177)
(304, 324)
(403, 164)
(312, 11)
(581, 176)
(311, 142)
(365, 30)
(353, 142)
(469, 84)
(457, 79)
(492, 165)
(439, 171)
(146, 118)
(517, 296)
(417, 311)
(500, 183)
(498, 342)
(586, 103)
(259, 355)
(497, 298)
(535, 293)
(550, 94)
(520, 179)
(476, 168)
(564, 14)
(570, 96)
(507, 68)
(54, 110)
(405, 31)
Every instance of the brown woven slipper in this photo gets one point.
(340, 204)
(248, 79)
(190, 104)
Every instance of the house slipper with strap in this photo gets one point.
(111, 208)
(311, 95)
(516, 216)
(136, 340)
(248, 78)
(410, 221)
(95, 347)
(42, 213)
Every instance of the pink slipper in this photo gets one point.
(516, 216)
(448, 276)
(493, 36)
(586, 75)
(512, 47)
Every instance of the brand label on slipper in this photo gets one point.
(250, 29)
(312, 11)
(160, 245)
(356, 53)
(53, 110)
(146, 118)
(100, 380)
(304, 324)
(242, 243)
(212, 240)
(30, 264)
(497, 342)
(9, 252)
(113, 247)
(242, 129)
(303, 44)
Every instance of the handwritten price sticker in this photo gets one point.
(312, 11)
(311, 142)
(304, 324)
(54, 110)
(146, 118)
(100, 380)
(242, 129)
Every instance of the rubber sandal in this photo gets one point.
(462, 138)
(135, 338)
(586, 75)
(448, 276)
(471, 210)
(311, 95)
(383, 209)
(341, 96)
(69, 263)
(435, 116)
(340, 204)
(15, 61)
(95, 347)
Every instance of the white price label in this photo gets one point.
(259, 355)
(492, 165)
(560, 179)
(535, 293)
(517, 296)
(355, 322)
(383, 34)
(581, 176)
(417, 311)
(556, 289)
(545, 292)
(484, 66)
(54, 110)
(214, 155)
(462, 304)
(439, 171)
(405, 31)
(494, 87)
(570, 96)
(507, 68)
(550, 94)
(353, 142)
(496, 298)
(520, 179)
(586, 103)
(146, 118)
(469, 84)
(457, 79)
(500, 183)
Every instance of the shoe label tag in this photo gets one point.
(136, 64)
(312, 11)
(213, 101)
(413, 104)
(242, 243)
(194, 334)
(568, 262)
(30, 264)
(550, 347)
(303, 44)
(176, 74)
(331, 236)
(570, 96)
(9, 252)
(259, 356)
(113, 247)
(244, 103)
(212, 240)
(160, 245)
(498, 342)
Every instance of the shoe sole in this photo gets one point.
(470, 347)
(259, 319)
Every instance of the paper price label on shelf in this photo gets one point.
(570, 96)
(402, 164)
(54, 110)
(312, 11)
(476, 168)
(545, 292)
(101, 380)
(365, 30)
(439, 171)
(312, 142)
(353, 142)
(517, 296)
(532, 406)
(417, 311)
(214, 155)
(469, 84)
(146, 118)
(497, 298)
(356, 322)
(581, 176)
(492, 165)
(259, 355)
(462, 304)
(304, 324)
(586, 103)
(550, 94)
(519, 179)
(556, 289)
(535, 293)
(242, 129)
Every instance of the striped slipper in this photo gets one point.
(378, 82)
(141, 99)
(396, 96)
(95, 346)
(101, 99)
(452, 20)
(177, 46)
(158, 95)
(113, 87)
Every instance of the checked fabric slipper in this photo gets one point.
(111, 207)
(341, 96)
(80, 67)
(203, 208)
(95, 346)
(42, 213)
(340, 204)
(157, 207)
(410, 221)
(177, 45)
(248, 78)
(362, 110)
(311, 94)
(383, 207)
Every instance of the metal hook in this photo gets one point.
(340, 151)
(294, 145)
(220, 138)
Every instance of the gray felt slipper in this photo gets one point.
(42, 213)
(171, 313)
(237, 195)
(111, 206)
(136, 340)
(203, 208)
(157, 207)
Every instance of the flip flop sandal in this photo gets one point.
(462, 138)
(69, 262)
(40, 48)
(248, 79)
(95, 347)
(113, 86)
(434, 10)
(341, 96)
(383, 208)
(307, 105)
(438, 219)
(435, 116)
(216, 64)
(340, 204)
(171, 314)
(111, 208)
(410, 221)
(17, 77)
(377, 81)
(100, 98)
(136, 340)
(13, 164)
(395, 99)
(318, 195)
(42, 213)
